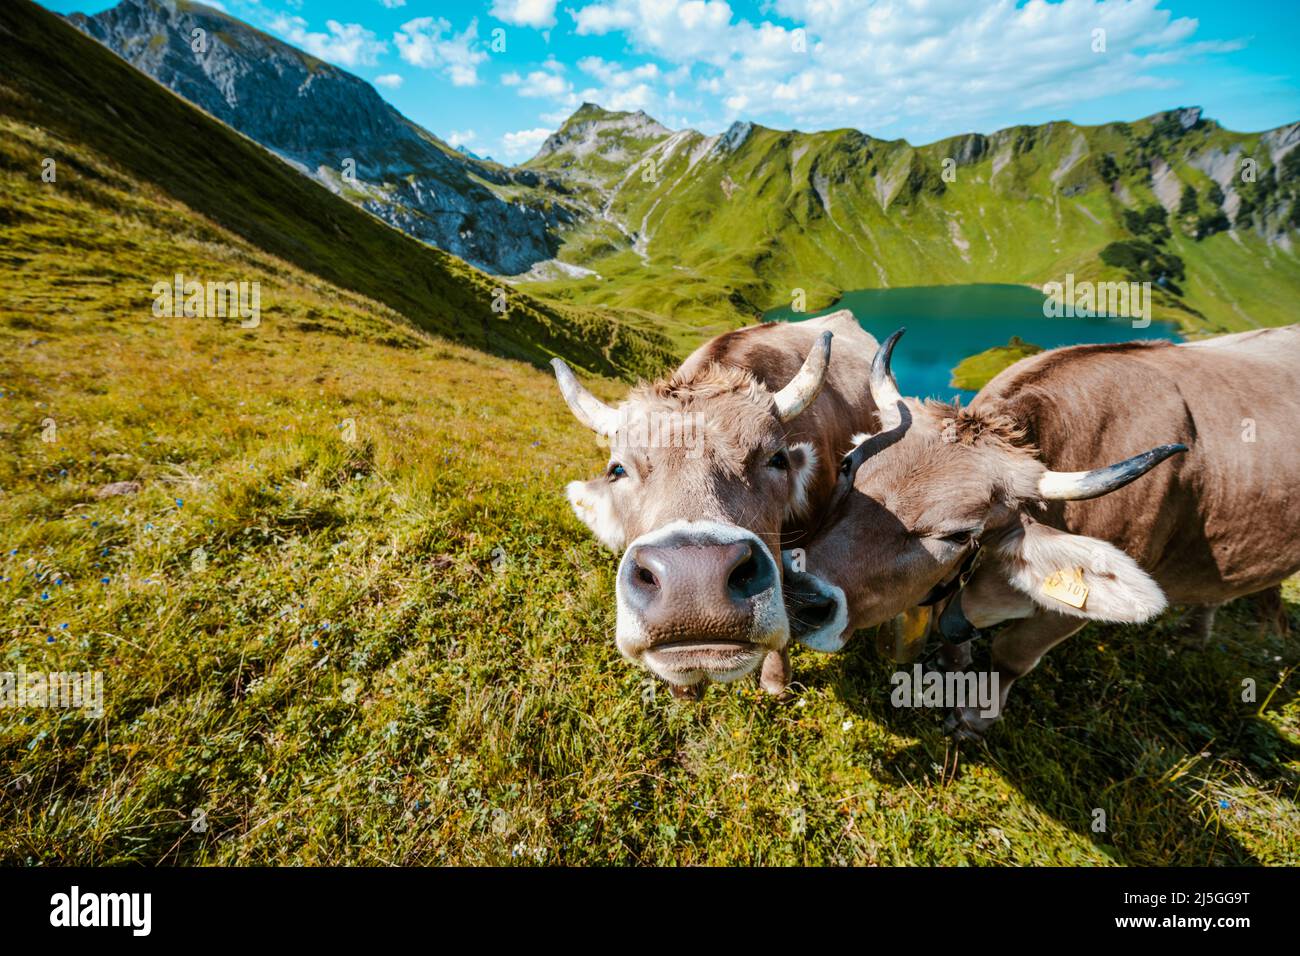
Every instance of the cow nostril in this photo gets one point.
(645, 576)
(751, 577)
(743, 575)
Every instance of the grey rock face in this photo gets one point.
(318, 117)
(971, 149)
(734, 137)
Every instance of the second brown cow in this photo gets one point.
(1005, 497)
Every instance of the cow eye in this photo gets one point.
(615, 472)
(779, 461)
(958, 537)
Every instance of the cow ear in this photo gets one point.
(1078, 576)
(593, 503)
(804, 464)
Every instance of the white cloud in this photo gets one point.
(601, 18)
(538, 14)
(613, 74)
(676, 30)
(540, 84)
(216, 5)
(557, 117)
(639, 97)
(523, 144)
(938, 66)
(390, 80)
(346, 44)
(621, 88)
(393, 4)
(458, 137)
(421, 42)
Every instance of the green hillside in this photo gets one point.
(88, 103)
(976, 371)
(693, 225)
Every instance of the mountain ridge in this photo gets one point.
(745, 219)
(694, 232)
(335, 127)
(1187, 117)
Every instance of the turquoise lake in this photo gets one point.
(945, 324)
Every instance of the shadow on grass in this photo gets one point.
(1129, 721)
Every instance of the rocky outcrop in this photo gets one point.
(333, 126)
(594, 131)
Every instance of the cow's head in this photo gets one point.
(935, 482)
(700, 479)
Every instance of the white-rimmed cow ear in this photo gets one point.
(1078, 576)
(803, 472)
(593, 503)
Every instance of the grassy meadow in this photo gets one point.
(347, 618)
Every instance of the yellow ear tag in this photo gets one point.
(1067, 587)
(903, 639)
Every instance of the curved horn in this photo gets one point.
(1081, 485)
(884, 391)
(808, 381)
(875, 444)
(586, 407)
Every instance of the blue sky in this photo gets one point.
(498, 75)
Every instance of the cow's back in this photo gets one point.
(774, 351)
(1220, 521)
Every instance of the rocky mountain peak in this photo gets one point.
(593, 129)
(332, 125)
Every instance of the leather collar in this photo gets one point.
(953, 624)
(956, 582)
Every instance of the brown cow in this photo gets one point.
(708, 469)
(944, 497)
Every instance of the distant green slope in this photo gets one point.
(976, 371)
(88, 100)
(691, 224)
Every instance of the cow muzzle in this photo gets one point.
(699, 601)
(817, 611)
